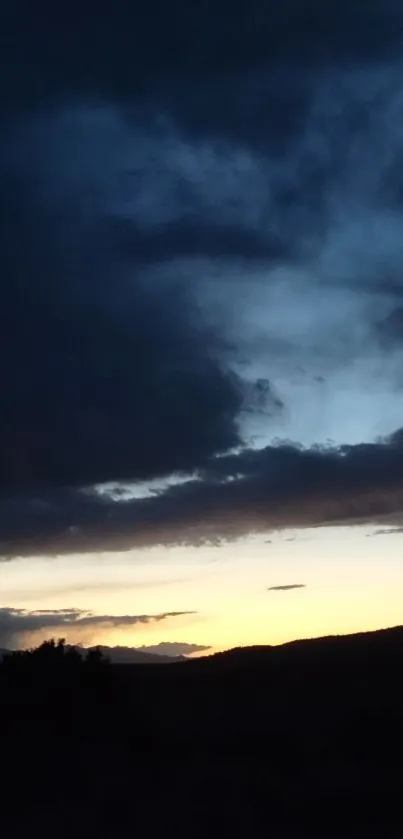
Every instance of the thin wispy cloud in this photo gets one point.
(386, 531)
(289, 587)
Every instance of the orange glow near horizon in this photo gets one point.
(352, 584)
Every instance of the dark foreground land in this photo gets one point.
(300, 740)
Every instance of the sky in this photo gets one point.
(201, 322)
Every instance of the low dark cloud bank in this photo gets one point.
(174, 648)
(254, 491)
(193, 202)
(19, 626)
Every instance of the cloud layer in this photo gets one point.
(21, 627)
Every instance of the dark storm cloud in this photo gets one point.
(287, 588)
(18, 624)
(194, 238)
(236, 495)
(126, 50)
(156, 164)
(101, 377)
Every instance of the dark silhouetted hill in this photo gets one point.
(130, 655)
(297, 740)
